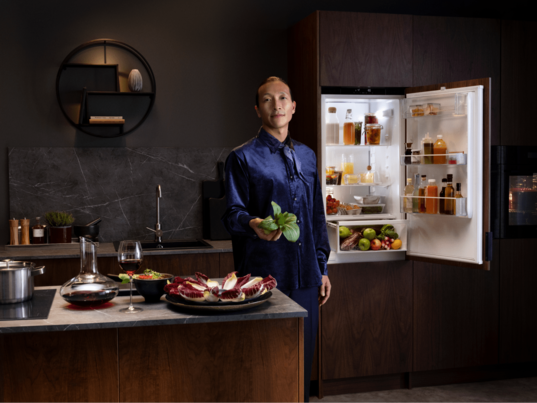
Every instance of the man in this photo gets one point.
(272, 167)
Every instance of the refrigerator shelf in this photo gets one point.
(378, 184)
(452, 159)
(356, 146)
(359, 217)
(461, 210)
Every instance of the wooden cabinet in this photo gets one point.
(457, 49)
(518, 66)
(367, 323)
(362, 49)
(518, 303)
(455, 316)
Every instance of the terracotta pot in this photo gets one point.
(60, 234)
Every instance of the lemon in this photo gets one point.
(397, 244)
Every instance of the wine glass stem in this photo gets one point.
(131, 306)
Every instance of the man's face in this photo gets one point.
(275, 108)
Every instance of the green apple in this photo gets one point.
(364, 244)
(369, 233)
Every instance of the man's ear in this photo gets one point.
(294, 107)
(257, 111)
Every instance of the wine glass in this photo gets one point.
(129, 255)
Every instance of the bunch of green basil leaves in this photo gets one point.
(284, 221)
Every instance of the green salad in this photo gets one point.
(148, 274)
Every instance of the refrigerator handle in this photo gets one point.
(488, 246)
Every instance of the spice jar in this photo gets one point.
(416, 157)
(372, 133)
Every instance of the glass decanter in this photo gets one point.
(90, 288)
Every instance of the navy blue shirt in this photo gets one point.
(264, 170)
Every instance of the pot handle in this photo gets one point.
(37, 271)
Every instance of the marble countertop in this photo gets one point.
(104, 250)
(62, 318)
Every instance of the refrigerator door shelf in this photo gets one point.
(418, 160)
(337, 217)
(339, 256)
(379, 184)
(460, 206)
(449, 112)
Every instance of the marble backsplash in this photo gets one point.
(116, 184)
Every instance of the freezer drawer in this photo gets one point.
(340, 256)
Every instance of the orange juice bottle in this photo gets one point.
(348, 129)
(440, 147)
(431, 203)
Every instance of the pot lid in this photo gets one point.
(15, 265)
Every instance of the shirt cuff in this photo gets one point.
(245, 222)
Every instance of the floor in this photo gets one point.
(511, 390)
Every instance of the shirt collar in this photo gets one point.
(272, 142)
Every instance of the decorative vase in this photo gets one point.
(60, 234)
(135, 81)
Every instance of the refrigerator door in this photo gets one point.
(458, 115)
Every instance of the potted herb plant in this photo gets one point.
(60, 226)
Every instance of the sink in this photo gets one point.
(173, 244)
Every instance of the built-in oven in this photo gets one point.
(514, 191)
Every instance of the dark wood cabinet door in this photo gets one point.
(518, 301)
(458, 49)
(518, 67)
(366, 324)
(361, 49)
(455, 316)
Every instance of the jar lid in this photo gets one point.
(332, 110)
(438, 136)
(372, 124)
(369, 114)
(432, 180)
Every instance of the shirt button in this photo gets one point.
(297, 220)
(299, 244)
(295, 198)
(291, 176)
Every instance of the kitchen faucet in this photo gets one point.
(157, 230)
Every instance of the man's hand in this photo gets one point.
(324, 290)
(273, 236)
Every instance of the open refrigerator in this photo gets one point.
(455, 113)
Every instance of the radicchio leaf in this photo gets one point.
(269, 282)
(179, 280)
(190, 293)
(233, 295)
(203, 279)
(253, 281)
(169, 287)
(229, 281)
(242, 280)
(254, 291)
(212, 295)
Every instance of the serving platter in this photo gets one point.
(218, 306)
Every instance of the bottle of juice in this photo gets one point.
(441, 201)
(421, 205)
(428, 149)
(415, 200)
(348, 129)
(407, 201)
(332, 127)
(449, 204)
(431, 203)
(440, 147)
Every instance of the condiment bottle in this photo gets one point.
(348, 129)
(357, 133)
(440, 148)
(431, 202)
(421, 193)
(332, 127)
(416, 200)
(25, 231)
(408, 151)
(428, 150)
(441, 202)
(449, 204)
(458, 195)
(407, 201)
(38, 232)
(14, 231)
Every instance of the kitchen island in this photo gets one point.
(160, 354)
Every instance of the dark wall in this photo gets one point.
(207, 57)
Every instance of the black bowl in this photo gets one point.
(91, 232)
(152, 290)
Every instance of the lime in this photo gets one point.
(364, 244)
(369, 233)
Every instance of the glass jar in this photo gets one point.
(348, 129)
(332, 127)
(372, 133)
(90, 288)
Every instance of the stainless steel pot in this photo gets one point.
(17, 281)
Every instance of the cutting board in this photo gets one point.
(213, 200)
